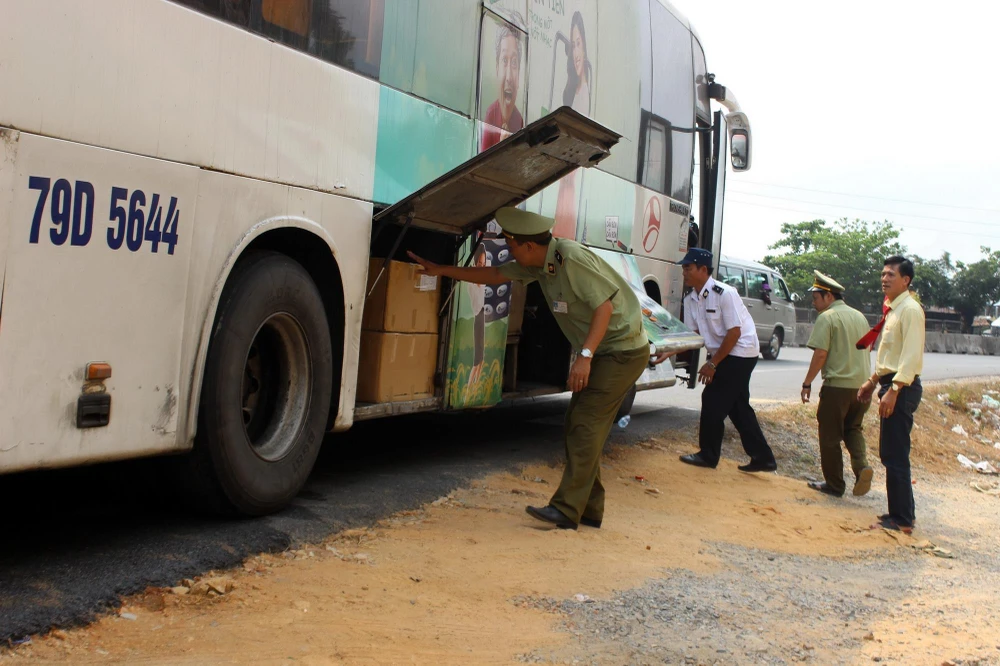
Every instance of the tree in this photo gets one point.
(932, 279)
(850, 252)
(976, 286)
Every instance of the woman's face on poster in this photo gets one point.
(579, 51)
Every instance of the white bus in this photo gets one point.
(191, 192)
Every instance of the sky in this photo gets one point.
(866, 110)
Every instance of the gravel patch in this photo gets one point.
(770, 608)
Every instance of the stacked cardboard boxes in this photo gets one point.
(399, 337)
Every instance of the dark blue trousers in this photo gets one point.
(894, 450)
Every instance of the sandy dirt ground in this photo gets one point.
(692, 566)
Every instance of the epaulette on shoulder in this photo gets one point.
(717, 289)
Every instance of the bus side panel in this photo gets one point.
(9, 140)
(99, 245)
(232, 213)
(155, 78)
(668, 277)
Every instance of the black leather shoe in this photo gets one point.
(696, 460)
(591, 522)
(754, 466)
(550, 514)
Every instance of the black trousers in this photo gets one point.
(729, 395)
(894, 450)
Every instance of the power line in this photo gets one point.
(868, 196)
(909, 226)
(870, 210)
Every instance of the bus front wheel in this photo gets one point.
(267, 388)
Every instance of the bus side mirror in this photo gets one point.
(795, 297)
(739, 140)
(740, 151)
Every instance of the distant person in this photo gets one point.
(716, 311)
(845, 369)
(898, 364)
(503, 117)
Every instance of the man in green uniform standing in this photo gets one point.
(601, 318)
(845, 369)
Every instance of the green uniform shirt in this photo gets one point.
(837, 330)
(575, 282)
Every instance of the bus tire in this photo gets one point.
(267, 388)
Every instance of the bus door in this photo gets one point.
(95, 281)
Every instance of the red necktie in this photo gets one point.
(869, 339)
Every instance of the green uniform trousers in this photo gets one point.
(588, 421)
(840, 416)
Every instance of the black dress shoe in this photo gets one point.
(754, 466)
(696, 460)
(550, 514)
(591, 522)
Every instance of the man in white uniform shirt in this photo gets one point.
(716, 311)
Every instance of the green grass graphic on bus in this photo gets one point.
(479, 329)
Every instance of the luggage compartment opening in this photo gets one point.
(542, 353)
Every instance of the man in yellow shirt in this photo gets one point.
(898, 364)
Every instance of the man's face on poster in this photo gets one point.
(509, 74)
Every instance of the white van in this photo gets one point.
(767, 297)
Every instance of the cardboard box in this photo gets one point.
(396, 366)
(405, 300)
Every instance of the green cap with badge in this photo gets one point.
(517, 222)
(823, 282)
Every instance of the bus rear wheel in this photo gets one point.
(267, 388)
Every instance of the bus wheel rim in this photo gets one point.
(275, 387)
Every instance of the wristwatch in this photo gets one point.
(586, 353)
(895, 386)
(711, 364)
(807, 386)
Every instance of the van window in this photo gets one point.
(734, 278)
(755, 283)
(782, 290)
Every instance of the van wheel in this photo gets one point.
(266, 391)
(774, 347)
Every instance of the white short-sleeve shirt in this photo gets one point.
(716, 309)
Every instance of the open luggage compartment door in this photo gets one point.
(524, 163)
(464, 201)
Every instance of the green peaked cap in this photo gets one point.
(522, 223)
(825, 283)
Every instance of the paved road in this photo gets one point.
(75, 540)
(781, 379)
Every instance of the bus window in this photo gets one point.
(657, 142)
(347, 33)
(702, 105)
(292, 15)
(417, 60)
(673, 96)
